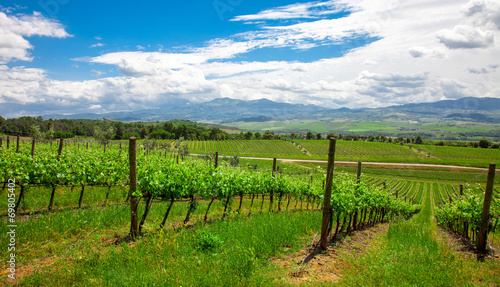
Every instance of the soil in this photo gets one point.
(26, 270)
(310, 265)
(459, 244)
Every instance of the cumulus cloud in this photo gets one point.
(466, 37)
(477, 29)
(409, 60)
(15, 28)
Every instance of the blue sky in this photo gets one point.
(69, 56)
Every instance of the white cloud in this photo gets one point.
(466, 37)
(15, 29)
(477, 29)
(420, 55)
(97, 73)
(97, 45)
(297, 11)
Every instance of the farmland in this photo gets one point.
(82, 239)
(350, 151)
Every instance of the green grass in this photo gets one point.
(438, 129)
(411, 254)
(233, 252)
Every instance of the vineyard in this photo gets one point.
(70, 196)
(349, 151)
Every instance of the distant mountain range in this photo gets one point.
(226, 110)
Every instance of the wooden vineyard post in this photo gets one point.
(216, 165)
(59, 152)
(271, 195)
(18, 140)
(33, 148)
(327, 212)
(1, 141)
(134, 227)
(216, 159)
(461, 188)
(483, 231)
(8, 142)
(358, 177)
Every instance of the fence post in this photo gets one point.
(18, 140)
(59, 152)
(8, 142)
(461, 188)
(327, 212)
(132, 155)
(271, 196)
(483, 231)
(33, 148)
(358, 177)
(216, 159)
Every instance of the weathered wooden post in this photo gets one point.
(483, 231)
(216, 159)
(8, 142)
(18, 140)
(327, 211)
(358, 176)
(271, 195)
(1, 141)
(59, 152)
(134, 203)
(33, 148)
(461, 189)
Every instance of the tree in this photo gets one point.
(484, 143)
(309, 135)
(258, 135)
(50, 133)
(103, 135)
(248, 135)
(119, 132)
(418, 140)
(268, 135)
(330, 136)
(143, 133)
(319, 136)
(35, 132)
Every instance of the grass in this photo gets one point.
(437, 129)
(412, 254)
(233, 252)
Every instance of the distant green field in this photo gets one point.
(433, 128)
(362, 151)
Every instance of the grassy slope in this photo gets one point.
(233, 252)
(412, 254)
(439, 128)
(351, 151)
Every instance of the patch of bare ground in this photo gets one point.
(463, 246)
(309, 265)
(26, 270)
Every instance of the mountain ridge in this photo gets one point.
(224, 110)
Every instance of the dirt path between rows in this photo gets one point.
(327, 266)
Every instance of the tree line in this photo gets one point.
(175, 129)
